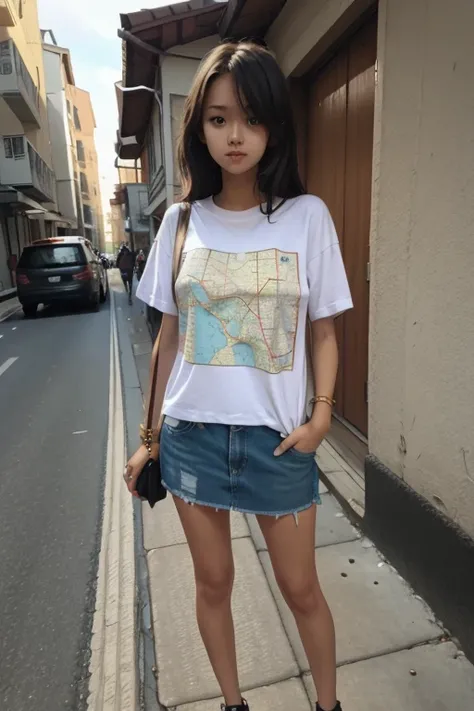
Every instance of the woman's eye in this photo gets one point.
(217, 120)
(253, 121)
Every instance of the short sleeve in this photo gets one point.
(155, 287)
(329, 293)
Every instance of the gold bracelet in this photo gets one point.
(323, 398)
(148, 437)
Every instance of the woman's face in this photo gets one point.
(234, 139)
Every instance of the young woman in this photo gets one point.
(259, 257)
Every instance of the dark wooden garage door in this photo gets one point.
(339, 170)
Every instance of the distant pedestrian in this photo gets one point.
(140, 264)
(261, 260)
(126, 264)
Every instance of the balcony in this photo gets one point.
(24, 169)
(16, 85)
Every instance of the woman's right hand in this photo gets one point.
(135, 465)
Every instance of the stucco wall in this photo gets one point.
(422, 292)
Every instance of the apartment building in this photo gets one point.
(59, 80)
(384, 107)
(82, 122)
(49, 181)
(28, 208)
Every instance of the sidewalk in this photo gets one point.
(392, 653)
(9, 305)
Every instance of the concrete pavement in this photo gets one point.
(392, 653)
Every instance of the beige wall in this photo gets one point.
(422, 325)
(27, 37)
(81, 100)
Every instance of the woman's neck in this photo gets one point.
(239, 192)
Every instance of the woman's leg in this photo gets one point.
(208, 535)
(291, 549)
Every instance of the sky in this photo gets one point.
(88, 28)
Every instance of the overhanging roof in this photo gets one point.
(249, 18)
(150, 34)
(161, 29)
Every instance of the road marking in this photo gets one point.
(81, 432)
(6, 365)
(1, 335)
(113, 671)
(14, 328)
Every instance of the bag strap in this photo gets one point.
(181, 232)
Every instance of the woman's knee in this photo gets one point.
(302, 595)
(214, 585)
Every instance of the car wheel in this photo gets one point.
(30, 310)
(95, 302)
(103, 294)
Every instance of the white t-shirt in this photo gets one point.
(244, 290)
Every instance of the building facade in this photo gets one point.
(41, 158)
(27, 183)
(59, 80)
(82, 122)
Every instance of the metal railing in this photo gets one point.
(42, 176)
(11, 60)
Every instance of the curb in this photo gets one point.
(113, 675)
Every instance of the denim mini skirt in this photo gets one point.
(233, 467)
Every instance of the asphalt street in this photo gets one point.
(54, 384)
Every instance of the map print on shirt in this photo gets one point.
(239, 309)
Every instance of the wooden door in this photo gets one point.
(339, 170)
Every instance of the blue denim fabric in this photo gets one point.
(233, 467)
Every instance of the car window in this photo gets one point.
(50, 256)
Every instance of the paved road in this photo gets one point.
(54, 383)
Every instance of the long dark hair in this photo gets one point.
(262, 87)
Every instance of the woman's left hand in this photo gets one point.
(306, 438)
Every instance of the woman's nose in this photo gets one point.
(235, 134)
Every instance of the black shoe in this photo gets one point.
(240, 707)
(337, 707)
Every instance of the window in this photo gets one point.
(77, 121)
(84, 184)
(14, 147)
(81, 155)
(68, 103)
(87, 212)
(49, 257)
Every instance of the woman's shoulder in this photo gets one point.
(309, 204)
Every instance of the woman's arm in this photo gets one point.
(167, 355)
(168, 348)
(325, 364)
(308, 437)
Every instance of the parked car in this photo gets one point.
(60, 269)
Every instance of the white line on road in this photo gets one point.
(6, 365)
(81, 432)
